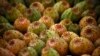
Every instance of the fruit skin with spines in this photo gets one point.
(48, 51)
(21, 24)
(89, 12)
(12, 34)
(69, 14)
(68, 36)
(15, 45)
(12, 14)
(82, 6)
(90, 32)
(32, 14)
(21, 7)
(28, 36)
(36, 27)
(61, 6)
(87, 20)
(48, 21)
(38, 45)
(51, 12)
(38, 6)
(74, 28)
(45, 35)
(56, 43)
(66, 22)
(82, 45)
(27, 51)
(58, 28)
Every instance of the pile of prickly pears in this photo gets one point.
(49, 27)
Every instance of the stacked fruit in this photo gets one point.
(49, 28)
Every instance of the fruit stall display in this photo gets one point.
(49, 27)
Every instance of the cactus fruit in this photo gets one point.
(58, 28)
(68, 36)
(5, 52)
(21, 24)
(48, 21)
(36, 27)
(89, 12)
(48, 3)
(82, 45)
(56, 43)
(38, 6)
(29, 36)
(87, 20)
(66, 22)
(15, 45)
(3, 19)
(45, 35)
(97, 43)
(21, 7)
(12, 14)
(51, 12)
(82, 6)
(32, 14)
(37, 45)
(4, 27)
(91, 32)
(74, 28)
(61, 6)
(70, 14)
(48, 51)
(12, 34)
(96, 52)
(27, 51)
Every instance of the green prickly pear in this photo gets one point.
(74, 28)
(37, 45)
(29, 36)
(61, 6)
(38, 6)
(48, 21)
(21, 7)
(56, 43)
(51, 12)
(12, 14)
(48, 51)
(32, 14)
(27, 51)
(70, 14)
(36, 27)
(45, 35)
